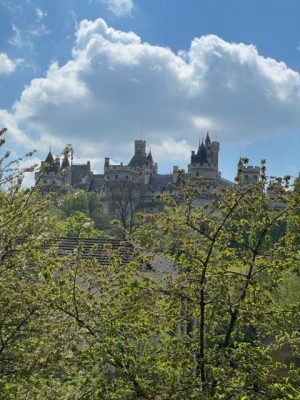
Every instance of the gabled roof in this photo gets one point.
(95, 248)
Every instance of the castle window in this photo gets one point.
(197, 174)
(45, 181)
(54, 182)
(126, 176)
(246, 177)
(116, 176)
(255, 177)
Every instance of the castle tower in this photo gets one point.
(208, 148)
(215, 148)
(50, 177)
(140, 147)
(205, 162)
(249, 174)
(66, 170)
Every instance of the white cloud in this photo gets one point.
(171, 150)
(7, 66)
(120, 7)
(40, 14)
(97, 100)
(16, 39)
(39, 30)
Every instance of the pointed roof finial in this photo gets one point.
(207, 139)
(49, 158)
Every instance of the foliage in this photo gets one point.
(85, 202)
(28, 329)
(79, 225)
(71, 328)
(229, 276)
(125, 200)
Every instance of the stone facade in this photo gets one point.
(140, 174)
(250, 174)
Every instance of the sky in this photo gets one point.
(101, 73)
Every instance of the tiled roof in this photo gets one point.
(95, 248)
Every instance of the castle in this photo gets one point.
(141, 173)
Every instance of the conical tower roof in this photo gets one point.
(49, 158)
(207, 140)
(202, 154)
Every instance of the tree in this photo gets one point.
(71, 328)
(79, 225)
(227, 288)
(124, 199)
(86, 202)
(28, 329)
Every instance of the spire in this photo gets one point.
(201, 154)
(49, 158)
(207, 140)
(149, 157)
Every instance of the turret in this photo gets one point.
(215, 147)
(248, 174)
(140, 147)
(175, 173)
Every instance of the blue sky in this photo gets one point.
(92, 72)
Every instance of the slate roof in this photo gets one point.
(201, 156)
(49, 158)
(159, 183)
(138, 161)
(52, 166)
(79, 172)
(96, 183)
(95, 248)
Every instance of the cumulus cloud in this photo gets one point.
(119, 7)
(97, 100)
(7, 66)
